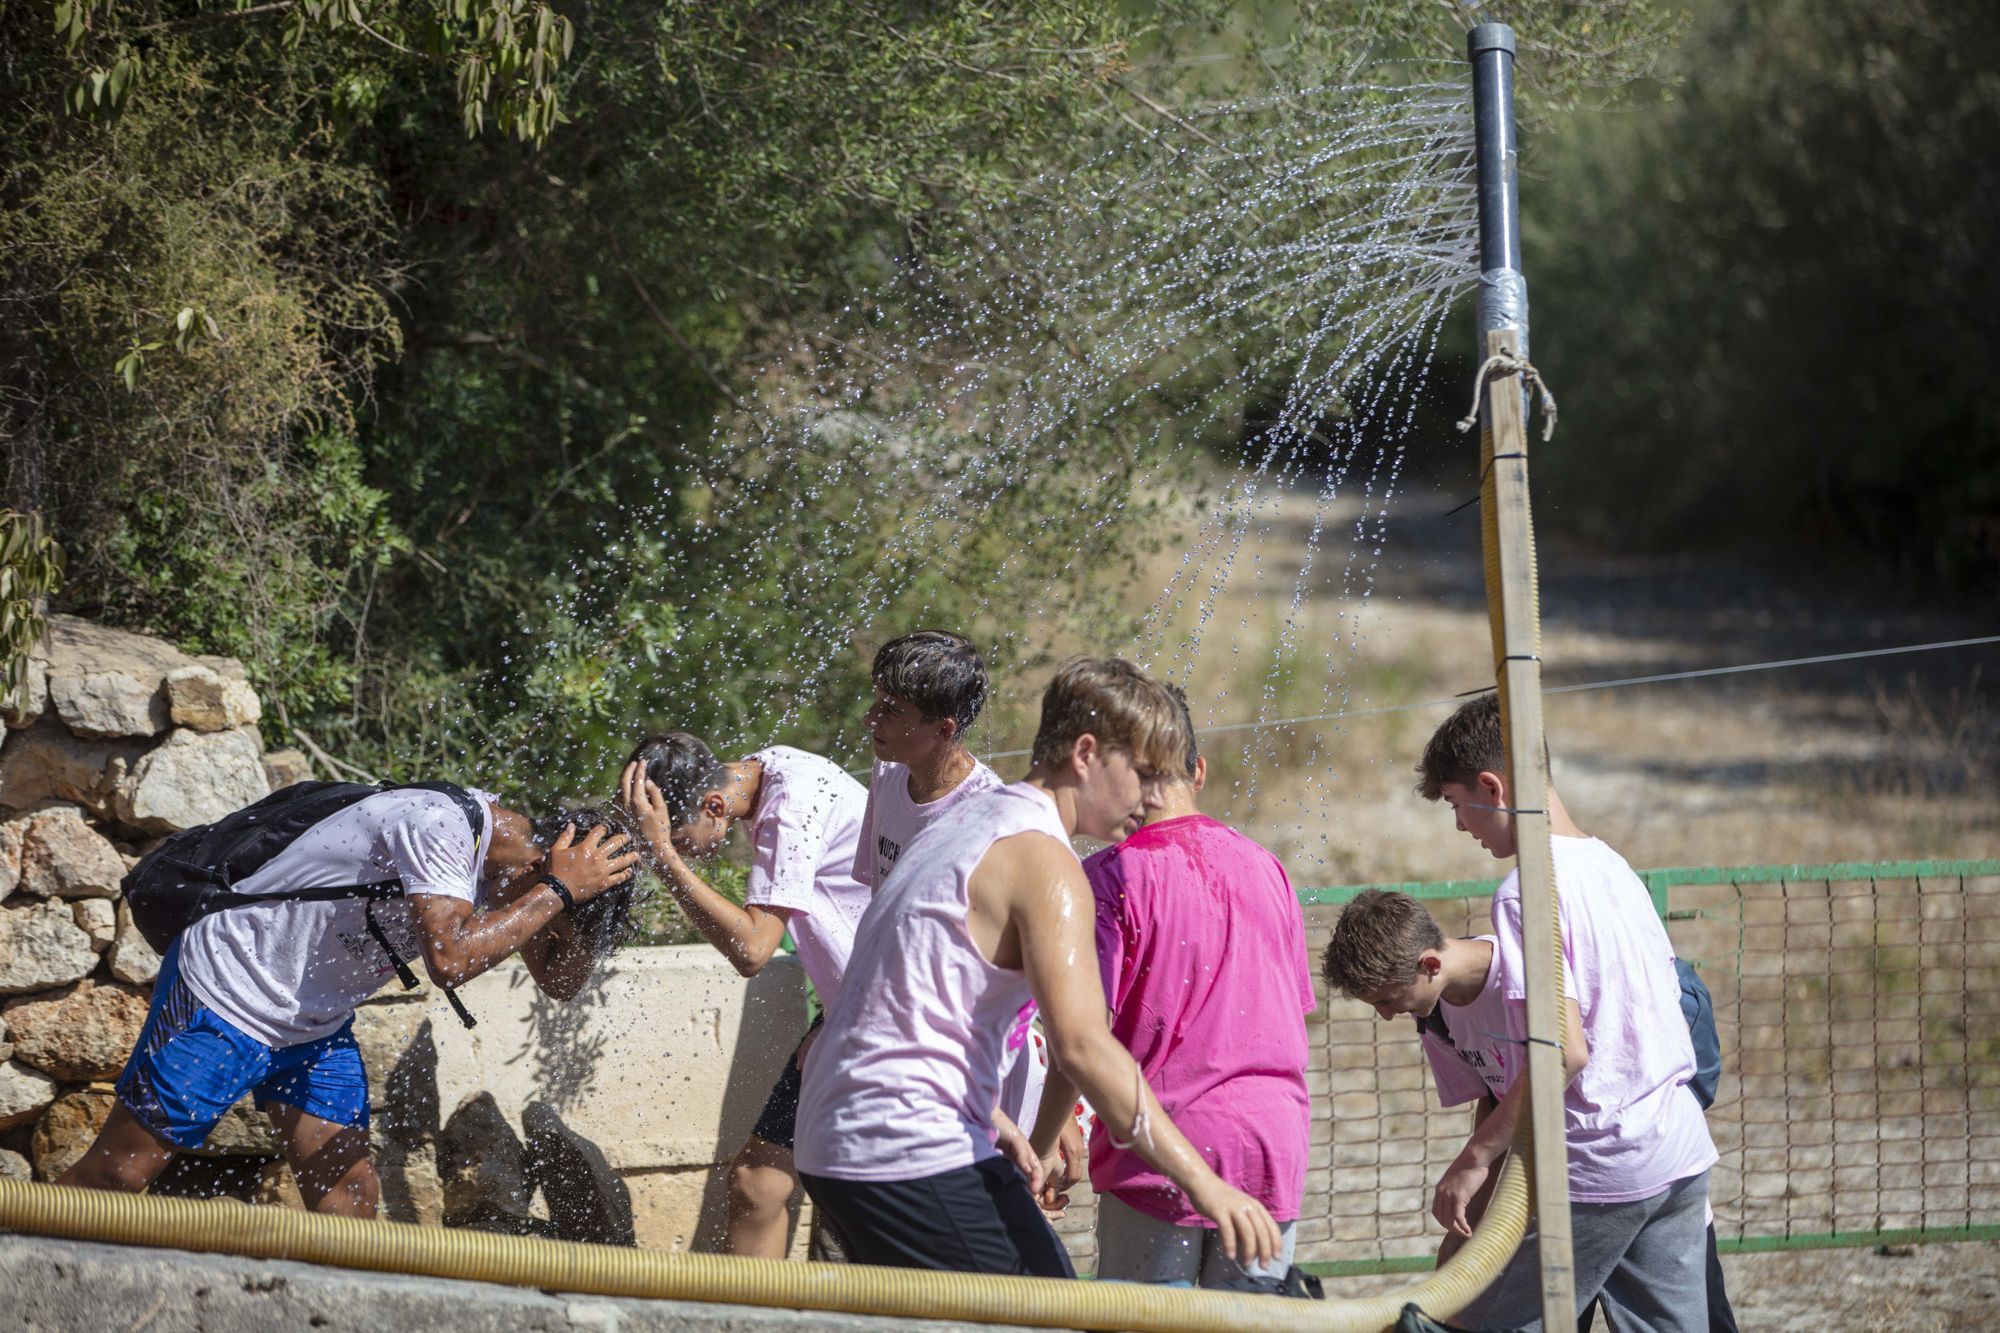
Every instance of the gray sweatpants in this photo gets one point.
(1646, 1261)
(1132, 1247)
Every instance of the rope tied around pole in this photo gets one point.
(1506, 363)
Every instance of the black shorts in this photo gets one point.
(778, 1122)
(976, 1219)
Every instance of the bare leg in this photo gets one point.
(335, 1171)
(763, 1185)
(125, 1156)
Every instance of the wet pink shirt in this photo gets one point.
(1203, 954)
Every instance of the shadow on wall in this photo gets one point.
(762, 1029)
(609, 1118)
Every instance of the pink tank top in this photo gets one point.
(904, 1077)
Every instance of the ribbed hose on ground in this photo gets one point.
(225, 1227)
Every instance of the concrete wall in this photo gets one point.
(661, 1067)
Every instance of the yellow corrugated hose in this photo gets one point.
(225, 1227)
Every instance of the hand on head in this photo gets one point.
(642, 797)
(588, 866)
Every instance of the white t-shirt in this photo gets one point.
(1472, 1058)
(904, 1077)
(292, 972)
(1633, 1126)
(894, 820)
(803, 833)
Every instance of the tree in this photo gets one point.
(386, 345)
(1767, 300)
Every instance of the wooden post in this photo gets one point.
(1513, 586)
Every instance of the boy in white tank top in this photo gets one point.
(930, 686)
(987, 914)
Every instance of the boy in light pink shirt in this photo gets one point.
(1388, 952)
(804, 816)
(1202, 948)
(1639, 1150)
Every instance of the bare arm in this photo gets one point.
(1494, 1133)
(746, 936)
(1476, 1209)
(559, 962)
(1058, 1098)
(459, 944)
(1033, 890)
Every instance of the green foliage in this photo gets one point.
(31, 566)
(1768, 300)
(421, 421)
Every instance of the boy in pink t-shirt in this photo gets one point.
(1202, 949)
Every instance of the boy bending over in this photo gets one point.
(259, 997)
(805, 818)
(986, 915)
(1387, 952)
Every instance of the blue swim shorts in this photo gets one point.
(191, 1065)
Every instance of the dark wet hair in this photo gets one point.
(1187, 720)
(937, 671)
(682, 766)
(605, 922)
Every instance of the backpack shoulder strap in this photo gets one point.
(468, 805)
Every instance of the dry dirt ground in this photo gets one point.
(1934, 1287)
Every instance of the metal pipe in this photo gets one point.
(1503, 291)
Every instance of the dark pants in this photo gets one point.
(976, 1219)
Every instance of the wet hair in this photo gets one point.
(682, 766)
(1377, 942)
(1187, 721)
(605, 922)
(938, 672)
(1122, 706)
(1467, 744)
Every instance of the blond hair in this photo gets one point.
(1122, 706)
(1377, 942)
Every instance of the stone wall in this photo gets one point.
(112, 741)
(609, 1118)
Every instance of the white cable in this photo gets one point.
(1576, 689)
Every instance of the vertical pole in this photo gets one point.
(1513, 602)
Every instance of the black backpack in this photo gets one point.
(194, 873)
